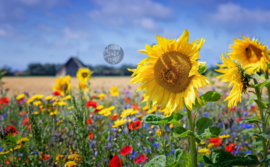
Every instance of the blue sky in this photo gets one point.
(50, 31)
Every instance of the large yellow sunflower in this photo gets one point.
(250, 53)
(84, 74)
(62, 85)
(170, 74)
(233, 73)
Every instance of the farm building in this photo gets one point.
(70, 67)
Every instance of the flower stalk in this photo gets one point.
(192, 145)
(258, 93)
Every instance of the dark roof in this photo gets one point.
(76, 60)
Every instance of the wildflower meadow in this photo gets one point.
(168, 122)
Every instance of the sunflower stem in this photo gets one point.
(268, 86)
(192, 145)
(258, 93)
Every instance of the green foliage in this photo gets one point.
(158, 161)
(264, 83)
(203, 123)
(210, 96)
(202, 69)
(221, 158)
(262, 105)
(154, 119)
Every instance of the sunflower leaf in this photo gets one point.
(203, 123)
(215, 131)
(251, 100)
(182, 132)
(153, 119)
(262, 105)
(175, 119)
(210, 96)
(202, 69)
(158, 161)
(251, 121)
(221, 158)
(260, 85)
(177, 154)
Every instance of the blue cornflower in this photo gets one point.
(206, 114)
(149, 150)
(172, 151)
(1, 149)
(131, 156)
(248, 152)
(156, 144)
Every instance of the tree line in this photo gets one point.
(38, 69)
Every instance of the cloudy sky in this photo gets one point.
(50, 31)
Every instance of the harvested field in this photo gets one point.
(43, 85)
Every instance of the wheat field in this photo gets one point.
(43, 85)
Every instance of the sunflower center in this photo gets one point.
(84, 75)
(253, 53)
(171, 71)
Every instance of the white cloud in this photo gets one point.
(68, 36)
(41, 3)
(133, 9)
(148, 24)
(143, 13)
(234, 13)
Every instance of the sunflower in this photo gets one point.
(84, 74)
(250, 53)
(233, 73)
(70, 164)
(114, 91)
(170, 74)
(82, 85)
(62, 85)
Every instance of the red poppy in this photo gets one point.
(127, 99)
(91, 135)
(216, 141)
(91, 103)
(4, 100)
(11, 130)
(89, 121)
(230, 147)
(114, 116)
(94, 97)
(22, 113)
(140, 159)
(46, 157)
(7, 162)
(26, 122)
(135, 125)
(126, 150)
(56, 93)
(115, 162)
(239, 119)
(135, 106)
(253, 108)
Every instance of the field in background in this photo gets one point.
(43, 85)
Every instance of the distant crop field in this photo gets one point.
(43, 85)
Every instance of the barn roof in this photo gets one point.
(76, 60)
